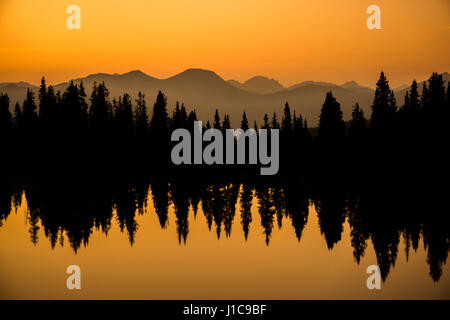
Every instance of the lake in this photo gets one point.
(164, 240)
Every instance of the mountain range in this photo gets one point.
(204, 91)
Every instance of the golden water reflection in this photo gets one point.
(158, 264)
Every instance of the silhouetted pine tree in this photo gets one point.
(48, 129)
(183, 116)
(191, 118)
(300, 145)
(100, 110)
(246, 197)
(175, 121)
(27, 145)
(141, 119)
(435, 101)
(226, 124)
(159, 130)
(436, 124)
(217, 120)
(286, 139)
(18, 117)
(83, 106)
(244, 122)
(100, 125)
(274, 123)
(331, 124)
(17, 134)
(410, 115)
(74, 111)
(424, 101)
(123, 121)
(266, 124)
(44, 112)
(357, 142)
(123, 117)
(29, 114)
(392, 106)
(52, 107)
(297, 124)
(358, 123)
(190, 125)
(384, 107)
(286, 123)
(414, 101)
(5, 123)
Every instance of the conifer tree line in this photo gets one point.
(71, 124)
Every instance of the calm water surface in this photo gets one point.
(254, 248)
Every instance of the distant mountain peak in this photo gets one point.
(311, 83)
(196, 74)
(20, 84)
(258, 84)
(354, 86)
(262, 80)
(198, 71)
(350, 84)
(97, 75)
(136, 74)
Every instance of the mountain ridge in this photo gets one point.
(204, 90)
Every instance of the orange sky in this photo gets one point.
(289, 40)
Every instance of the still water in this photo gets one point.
(235, 242)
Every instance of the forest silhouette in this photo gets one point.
(78, 159)
(68, 132)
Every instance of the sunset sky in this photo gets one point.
(289, 40)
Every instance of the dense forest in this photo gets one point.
(70, 132)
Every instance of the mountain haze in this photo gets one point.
(205, 91)
(258, 84)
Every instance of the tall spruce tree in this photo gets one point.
(18, 117)
(159, 130)
(191, 118)
(74, 110)
(384, 107)
(331, 123)
(141, 117)
(414, 99)
(100, 112)
(29, 114)
(226, 123)
(266, 124)
(244, 122)
(436, 94)
(216, 124)
(123, 117)
(358, 122)
(274, 123)
(5, 119)
(44, 112)
(159, 120)
(286, 123)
